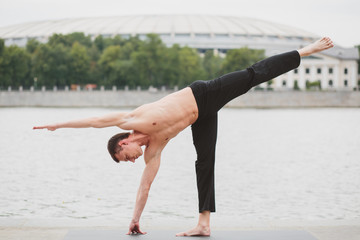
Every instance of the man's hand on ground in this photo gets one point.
(134, 228)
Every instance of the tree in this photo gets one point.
(190, 68)
(212, 64)
(237, 59)
(2, 46)
(108, 65)
(79, 64)
(69, 39)
(14, 66)
(150, 60)
(32, 45)
(171, 66)
(358, 46)
(296, 86)
(51, 65)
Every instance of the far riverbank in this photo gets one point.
(134, 98)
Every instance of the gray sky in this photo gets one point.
(338, 19)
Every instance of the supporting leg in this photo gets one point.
(204, 136)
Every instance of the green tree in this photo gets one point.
(358, 47)
(80, 64)
(150, 61)
(237, 59)
(171, 66)
(2, 64)
(51, 65)
(32, 45)
(109, 66)
(99, 43)
(190, 67)
(296, 86)
(14, 66)
(2, 46)
(313, 85)
(212, 64)
(69, 39)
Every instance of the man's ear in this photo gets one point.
(123, 142)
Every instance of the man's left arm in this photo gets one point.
(148, 176)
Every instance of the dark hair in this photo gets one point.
(113, 144)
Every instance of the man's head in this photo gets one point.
(123, 148)
(114, 146)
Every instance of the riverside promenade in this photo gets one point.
(134, 98)
(53, 229)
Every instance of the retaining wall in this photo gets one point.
(122, 98)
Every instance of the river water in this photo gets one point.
(272, 164)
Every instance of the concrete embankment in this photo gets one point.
(122, 98)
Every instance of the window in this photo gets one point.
(331, 83)
(345, 83)
(142, 36)
(165, 35)
(202, 35)
(319, 70)
(307, 70)
(125, 36)
(284, 83)
(220, 35)
(182, 35)
(345, 71)
(330, 71)
(296, 71)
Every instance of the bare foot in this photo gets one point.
(318, 46)
(197, 231)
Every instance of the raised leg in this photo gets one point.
(318, 46)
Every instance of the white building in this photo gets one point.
(336, 68)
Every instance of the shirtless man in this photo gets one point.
(154, 124)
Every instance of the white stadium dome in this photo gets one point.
(198, 31)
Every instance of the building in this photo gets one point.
(335, 68)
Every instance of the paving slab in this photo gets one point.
(84, 234)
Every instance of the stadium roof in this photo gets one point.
(160, 24)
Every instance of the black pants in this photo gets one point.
(210, 97)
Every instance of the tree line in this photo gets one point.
(77, 59)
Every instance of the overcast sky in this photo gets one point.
(338, 19)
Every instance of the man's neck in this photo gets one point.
(139, 137)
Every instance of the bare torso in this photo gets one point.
(164, 119)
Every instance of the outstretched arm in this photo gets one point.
(109, 120)
(150, 171)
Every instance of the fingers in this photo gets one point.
(135, 232)
(43, 127)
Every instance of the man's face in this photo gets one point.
(130, 151)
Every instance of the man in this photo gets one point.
(154, 124)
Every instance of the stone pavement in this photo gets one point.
(23, 229)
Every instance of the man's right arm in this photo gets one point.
(152, 161)
(109, 120)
